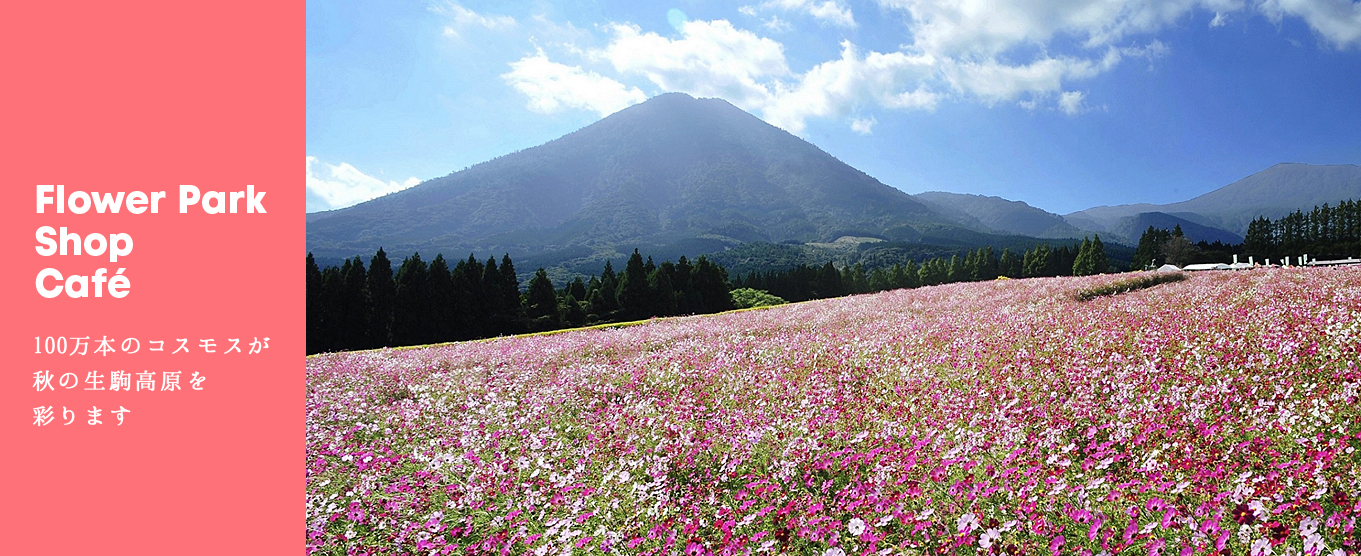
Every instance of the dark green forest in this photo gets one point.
(357, 307)
(353, 307)
(1326, 232)
(805, 282)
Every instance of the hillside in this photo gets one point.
(670, 171)
(1129, 228)
(1273, 192)
(893, 406)
(998, 215)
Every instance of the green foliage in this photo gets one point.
(1091, 258)
(1149, 251)
(382, 295)
(412, 306)
(541, 303)
(314, 306)
(1037, 261)
(1010, 265)
(1129, 285)
(745, 298)
(1325, 232)
(1100, 263)
(572, 313)
(633, 289)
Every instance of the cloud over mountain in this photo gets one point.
(1032, 52)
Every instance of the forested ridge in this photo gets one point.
(354, 306)
(1326, 232)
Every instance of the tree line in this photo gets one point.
(803, 282)
(1324, 232)
(356, 307)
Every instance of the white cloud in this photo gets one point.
(827, 11)
(463, 18)
(715, 59)
(863, 126)
(1070, 102)
(334, 186)
(777, 25)
(711, 59)
(552, 87)
(1032, 52)
(993, 81)
(1338, 21)
(974, 28)
(832, 88)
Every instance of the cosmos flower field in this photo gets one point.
(1214, 415)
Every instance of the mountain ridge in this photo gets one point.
(1232, 207)
(671, 169)
(679, 175)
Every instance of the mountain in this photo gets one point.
(998, 215)
(1129, 228)
(1274, 192)
(671, 171)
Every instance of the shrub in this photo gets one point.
(744, 298)
(1129, 285)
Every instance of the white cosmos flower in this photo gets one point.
(967, 522)
(1313, 544)
(990, 536)
(855, 526)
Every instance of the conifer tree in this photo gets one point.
(878, 280)
(934, 271)
(314, 324)
(1100, 264)
(572, 313)
(491, 288)
(410, 301)
(382, 293)
(357, 307)
(911, 275)
(439, 314)
(687, 298)
(542, 304)
(332, 306)
(1082, 265)
(577, 288)
(989, 264)
(633, 288)
(711, 285)
(1149, 251)
(1037, 261)
(828, 282)
(661, 292)
(510, 293)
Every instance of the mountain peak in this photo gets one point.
(672, 170)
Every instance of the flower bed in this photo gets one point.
(1218, 413)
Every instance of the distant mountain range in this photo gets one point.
(678, 175)
(1225, 212)
(995, 214)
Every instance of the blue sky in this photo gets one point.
(1064, 104)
